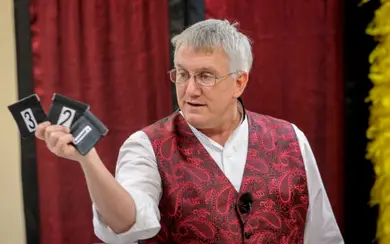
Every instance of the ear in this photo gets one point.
(241, 82)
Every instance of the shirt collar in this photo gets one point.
(242, 111)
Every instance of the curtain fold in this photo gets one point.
(297, 73)
(113, 55)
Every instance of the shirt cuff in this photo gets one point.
(147, 223)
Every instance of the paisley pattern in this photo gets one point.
(198, 202)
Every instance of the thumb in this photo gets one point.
(40, 131)
(66, 130)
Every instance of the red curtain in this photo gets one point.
(113, 55)
(297, 73)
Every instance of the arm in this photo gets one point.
(321, 226)
(116, 206)
(137, 173)
(126, 207)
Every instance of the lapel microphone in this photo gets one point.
(245, 203)
(244, 209)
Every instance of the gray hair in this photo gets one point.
(210, 34)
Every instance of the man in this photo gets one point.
(211, 172)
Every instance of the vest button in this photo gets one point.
(247, 235)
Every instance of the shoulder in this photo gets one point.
(163, 121)
(291, 131)
(267, 120)
(136, 143)
(163, 126)
(141, 139)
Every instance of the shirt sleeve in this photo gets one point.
(137, 172)
(321, 225)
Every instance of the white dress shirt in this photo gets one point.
(137, 172)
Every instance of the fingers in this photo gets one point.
(58, 139)
(53, 138)
(54, 128)
(62, 147)
(40, 132)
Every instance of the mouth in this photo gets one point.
(194, 104)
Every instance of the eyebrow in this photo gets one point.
(210, 69)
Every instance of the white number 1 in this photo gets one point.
(83, 133)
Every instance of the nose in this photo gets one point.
(193, 88)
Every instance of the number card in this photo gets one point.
(87, 132)
(28, 114)
(65, 111)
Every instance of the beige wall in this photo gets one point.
(11, 205)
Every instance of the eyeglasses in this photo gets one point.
(203, 78)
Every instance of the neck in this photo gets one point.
(223, 132)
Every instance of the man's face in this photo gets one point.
(206, 107)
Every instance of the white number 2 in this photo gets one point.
(29, 119)
(66, 117)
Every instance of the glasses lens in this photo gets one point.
(172, 75)
(181, 76)
(206, 79)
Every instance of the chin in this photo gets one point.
(196, 120)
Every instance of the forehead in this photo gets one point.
(194, 59)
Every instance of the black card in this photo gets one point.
(87, 131)
(65, 111)
(28, 114)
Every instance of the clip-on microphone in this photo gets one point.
(245, 203)
(244, 207)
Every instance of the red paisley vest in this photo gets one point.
(199, 204)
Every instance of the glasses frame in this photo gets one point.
(193, 74)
